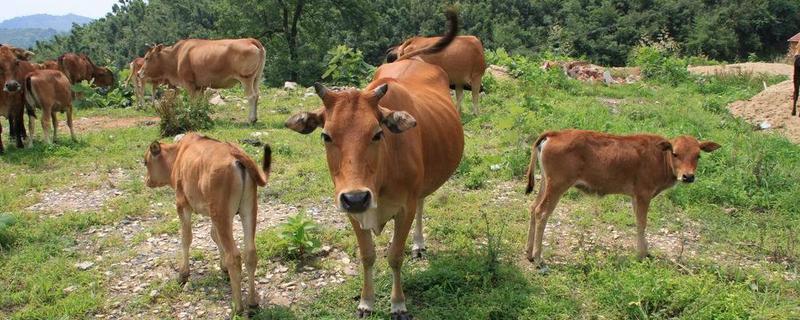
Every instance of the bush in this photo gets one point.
(180, 114)
(659, 65)
(299, 234)
(346, 67)
(6, 238)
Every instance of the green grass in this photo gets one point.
(744, 203)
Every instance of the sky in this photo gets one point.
(87, 8)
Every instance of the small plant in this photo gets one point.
(120, 96)
(346, 66)
(300, 234)
(659, 61)
(6, 238)
(180, 113)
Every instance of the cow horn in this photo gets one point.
(380, 91)
(321, 90)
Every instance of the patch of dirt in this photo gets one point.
(749, 67)
(99, 123)
(75, 198)
(770, 108)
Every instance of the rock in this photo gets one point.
(153, 293)
(84, 265)
(216, 100)
(178, 137)
(289, 85)
(309, 95)
(495, 167)
(764, 125)
(70, 289)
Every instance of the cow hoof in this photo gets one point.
(363, 313)
(402, 315)
(183, 278)
(418, 254)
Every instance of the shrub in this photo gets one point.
(6, 238)
(120, 96)
(659, 65)
(346, 67)
(299, 234)
(180, 113)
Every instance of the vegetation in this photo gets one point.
(180, 113)
(299, 33)
(299, 234)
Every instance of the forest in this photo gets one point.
(298, 34)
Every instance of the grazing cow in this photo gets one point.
(217, 180)
(79, 67)
(463, 61)
(11, 105)
(197, 64)
(640, 166)
(796, 82)
(139, 83)
(389, 147)
(50, 91)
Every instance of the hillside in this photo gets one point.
(27, 37)
(25, 31)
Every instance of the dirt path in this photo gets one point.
(749, 67)
(100, 123)
(772, 108)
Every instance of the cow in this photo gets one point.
(139, 83)
(463, 61)
(49, 90)
(11, 105)
(50, 65)
(197, 64)
(79, 67)
(20, 53)
(796, 83)
(641, 166)
(217, 180)
(389, 147)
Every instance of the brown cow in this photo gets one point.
(389, 147)
(49, 65)
(640, 166)
(11, 103)
(139, 83)
(463, 61)
(20, 53)
(197, 64)
(79, 67)
(50, 91)
(217, 180)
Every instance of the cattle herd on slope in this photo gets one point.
(388, 146)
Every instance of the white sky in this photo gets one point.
(87, 8)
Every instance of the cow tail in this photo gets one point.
(450, 35)
(796, 83)
(266, 163)
(30, 98)
(531, 174)
(258, 176)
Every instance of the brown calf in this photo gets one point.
(463, 61)
(217, 180)
(79, 67)
(640, 166)
(388, 148)
(139, 83)
(50, 91)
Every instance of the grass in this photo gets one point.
(744, 208)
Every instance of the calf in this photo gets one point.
(11, 105)
(640, 166)
(388, 148)
(79, 67)
(50, 91)
(796, 82)
(217, 180)
(462, 60)
(139, 83)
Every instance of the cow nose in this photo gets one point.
(688, 178)
(355, 202)
(12, 86)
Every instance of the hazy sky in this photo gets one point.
(88, 8)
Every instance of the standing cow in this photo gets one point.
(641, 166)
(50, 91)
(197, 64)
(388, 148)
(79, 67)
(11, 103)
(139, 83)
(463, 61)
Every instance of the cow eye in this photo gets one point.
(378, 136)
(674, 154)
(326, 137)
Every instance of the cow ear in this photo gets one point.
(305, 122)
(155, 148)
(397, 121)
(709, 146)
(665, 145)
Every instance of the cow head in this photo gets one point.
(353, 129)
(159, 159)
(103, 77)
(684, 152)
(154, 63)
(8, 70)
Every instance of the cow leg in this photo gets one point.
(215, 237)
(551, 194)
(640, 206)
(459, 96)
(366, 249)
(396, 251)
(476, 94)
(69, 124)
(31, 127)
(251, 91)
(55, 124)
(233, 259)
(185, 216)
(419, 239)
(248, 210)
(2, 149)
(48, 139)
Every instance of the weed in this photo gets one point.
(299, 234)
(180, 114)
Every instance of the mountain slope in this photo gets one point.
(44, 21)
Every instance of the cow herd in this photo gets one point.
(388, 147)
